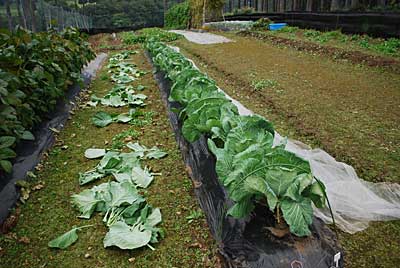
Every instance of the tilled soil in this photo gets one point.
(356, 57)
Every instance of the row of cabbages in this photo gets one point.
(248, 165)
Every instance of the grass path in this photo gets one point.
(48, 212)
(350, 111)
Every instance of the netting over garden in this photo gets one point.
(41, 16)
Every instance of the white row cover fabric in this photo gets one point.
(202, 38)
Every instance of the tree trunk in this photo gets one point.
(334, 5)
(295, 4)
(281, 5)
(322, 5)
(9, 16)
(355, 4)
(20, 16)
(347, 4)
(204, 12)
(309, 5)
(33, 15)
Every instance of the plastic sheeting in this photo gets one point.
(354, 202)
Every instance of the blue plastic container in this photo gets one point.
(276, 26)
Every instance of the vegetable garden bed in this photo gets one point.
(243, 242)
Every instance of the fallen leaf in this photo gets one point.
(24, 240)
(38, 186)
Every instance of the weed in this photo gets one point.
(262, 84)
(194, 215)
(118, 141)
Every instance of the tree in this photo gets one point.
(309, 5)
(21, 17)
(322, 5)
(355, 4)
(335, 5)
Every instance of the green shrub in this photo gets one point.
(35, 71)
(139, 37)
(178, 16)
(262, 24)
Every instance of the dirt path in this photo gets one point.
(350, 111)
(342, 53)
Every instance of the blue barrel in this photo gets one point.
(276, 26)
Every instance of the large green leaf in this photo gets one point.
(242, 208)
(94, 153)
(141, 177)
(6, 165)
(102, 119)
(90, 176)
(127, 237)
(258, 184)
(298, 215)
(155, 153)
(6, 153)
(122, 193)
(6, 141)
(86, 203)
(154, 218)
(65, 240)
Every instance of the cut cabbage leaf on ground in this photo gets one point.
(103, 119)
(94, 153)
(127, 237)
(144, 152)
(67, 239)
(123, 166)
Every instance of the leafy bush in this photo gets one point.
(243, 10)
(178, 16)
(131, 38)
(248, 165)
(389, 46)
(262, 24)
(35, 71)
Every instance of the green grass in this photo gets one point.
(48, 212)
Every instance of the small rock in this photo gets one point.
(131, 260)
(87, 256)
